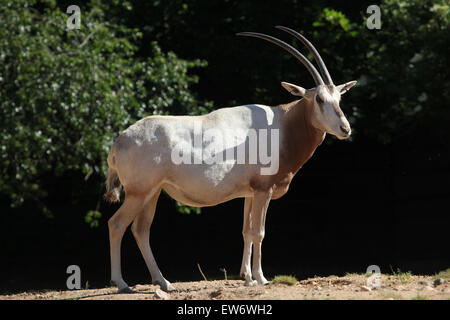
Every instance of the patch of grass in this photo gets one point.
(404, 277)
(445, 274)
(284, 279)
(419, 297)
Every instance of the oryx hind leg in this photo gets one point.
(141, 231)
(117, 225)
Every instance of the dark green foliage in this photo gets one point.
(404, 89)
(92, 218)
(66, 94)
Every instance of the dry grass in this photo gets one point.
(284, 279)
(404, 277)
(445, 274)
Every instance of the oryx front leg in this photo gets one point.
(260, 204)
(117, 225)
(246, 257)
(141, 231)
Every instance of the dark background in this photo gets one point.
(344, 211)
(380, 198)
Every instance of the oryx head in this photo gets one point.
(326, 113)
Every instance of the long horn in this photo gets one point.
(316, 55)
(312, 70)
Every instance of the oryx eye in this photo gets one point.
(319, 100)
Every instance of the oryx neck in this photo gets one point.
(300, 137)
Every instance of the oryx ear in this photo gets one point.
(293, 89)
(343, 88)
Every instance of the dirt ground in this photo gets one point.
(349, 287)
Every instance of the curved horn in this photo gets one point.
(312, 70)
(316, 55)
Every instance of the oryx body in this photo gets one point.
(210, 159)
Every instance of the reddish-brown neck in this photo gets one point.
(299, 138)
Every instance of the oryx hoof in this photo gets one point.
(122, 286)
(250, 283)
(165, 285)
(259, 277)
(264, 283)
(126, 290)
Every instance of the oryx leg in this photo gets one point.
(261, 201)
(141, 231)
(246, 257)
(117, 225)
